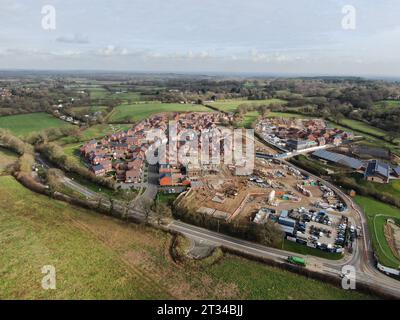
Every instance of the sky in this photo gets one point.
(234, 36)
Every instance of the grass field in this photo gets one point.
(102, 93)
(387, 105)
(287, 115)
(377, 213)
(24, 124)
(363, 127)
(232, 105)
(98, 93)
(91, 109)
(127, 96)
(95, 132)
(98, 257)
(72, 151)
(6, 158)
(248, 119)
(140, 111)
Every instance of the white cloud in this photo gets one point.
(73, 39)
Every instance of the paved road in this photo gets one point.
(333, 267)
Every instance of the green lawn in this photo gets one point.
(140, 111)
(232, 105)
(24, 124)
(377, 213)
(98, 257)
(166, 198)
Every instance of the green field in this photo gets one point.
(287, 115)
(140, 111)
(89, 110)
(98, 257)
(377, 213)
(98, 93)
(363, 127)
(96, 132)
(248, 119)
(24, 124)
(232, 105)
(387, 105)
(127, 96)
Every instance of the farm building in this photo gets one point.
(338, 158)
(377, 171)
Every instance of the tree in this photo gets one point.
(269, 234)
(161, 210)
(146, 206)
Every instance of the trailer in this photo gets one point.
(297, 261)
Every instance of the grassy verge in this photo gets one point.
(304, 250)
(116, 194)
(6, 158)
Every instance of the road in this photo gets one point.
(333, 267)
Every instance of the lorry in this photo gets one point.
(297, 261)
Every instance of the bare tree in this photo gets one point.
(161, 210)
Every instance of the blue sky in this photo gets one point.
(268, 36)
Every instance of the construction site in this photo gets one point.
(304, 209)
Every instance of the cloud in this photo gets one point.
(112, 50)
(73, 39)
